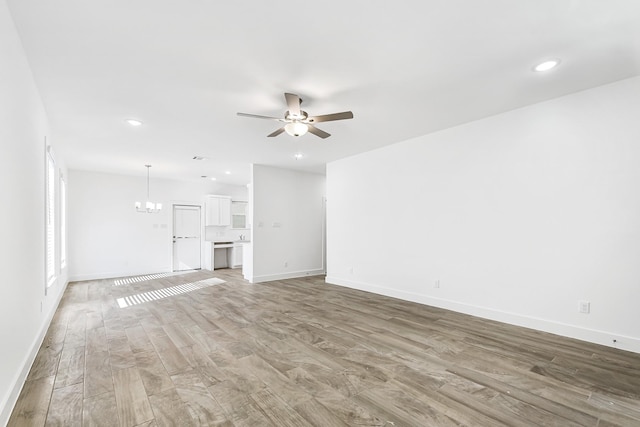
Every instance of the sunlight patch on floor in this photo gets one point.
(136, 279)
(167, 292)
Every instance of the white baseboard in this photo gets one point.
(623, 342)
(288, 275)
(21, 376)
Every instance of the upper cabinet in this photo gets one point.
(218, 211)
(238, 214)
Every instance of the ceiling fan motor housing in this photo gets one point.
(301, 117)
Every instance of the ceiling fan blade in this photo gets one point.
(255, 116)
(317, 132)
(331, 117)
(293, 102)
(276, 132)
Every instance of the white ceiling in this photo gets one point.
(405, 68)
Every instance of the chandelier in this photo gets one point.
(149, 207)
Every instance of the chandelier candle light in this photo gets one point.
(150, 207)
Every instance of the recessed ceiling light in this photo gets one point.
(298, 156)
(213, 178)
(133, 122)
(227, 172)
(547, 65)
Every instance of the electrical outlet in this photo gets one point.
(286, 263)
(436, 284)
(585, 307)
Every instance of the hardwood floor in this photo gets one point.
(301, 352)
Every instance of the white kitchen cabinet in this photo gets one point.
(247, 262)
(218, 211)
(236, 255)
(225, 211)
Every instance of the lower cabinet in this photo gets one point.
(236, 256)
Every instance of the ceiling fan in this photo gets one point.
(298, 122)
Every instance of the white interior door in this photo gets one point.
(186, 237)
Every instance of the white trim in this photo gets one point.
(605, 338)
(51, 227)
(62, 221)
(21, 376)
(290, 275)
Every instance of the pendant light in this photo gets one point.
(149, 207)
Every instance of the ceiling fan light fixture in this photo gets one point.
(296, 128)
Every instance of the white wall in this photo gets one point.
(288, 224)
(519, 216)
(26, 310)
(108, 238)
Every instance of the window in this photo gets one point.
(50, 210)
(63, 223)
(238, 215)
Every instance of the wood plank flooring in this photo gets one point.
(303, 353)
